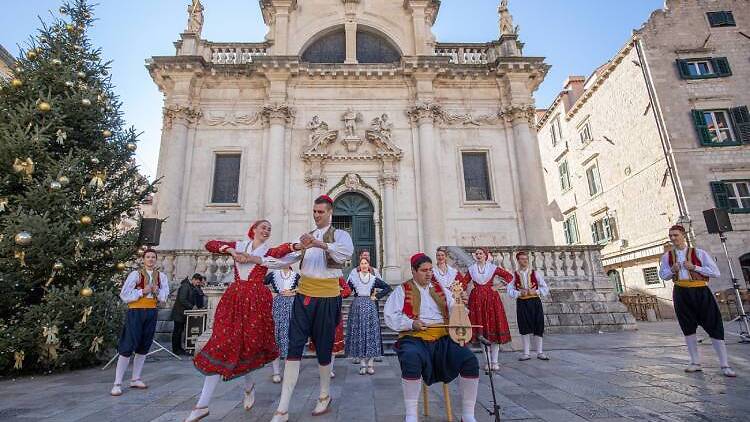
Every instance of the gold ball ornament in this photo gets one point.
(56, 62)
(55, 185)
(131, 146)
(121, 266)
(23, 238)
(94, 161)
(86, 292)
(107, 133)
(86, 102)
(70, 28)
(81, 74)
(64, 180)
(85, 220)
(31, 55)
(16, 83)
(58, 266)
(44, 106)
(70, 84)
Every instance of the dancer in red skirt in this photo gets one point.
(338, 342)
(485, 307)
(243, 332)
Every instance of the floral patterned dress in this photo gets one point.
(485, 307)
(243, 333)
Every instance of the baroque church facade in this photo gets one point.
(420, 142)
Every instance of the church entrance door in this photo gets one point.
(354, 213)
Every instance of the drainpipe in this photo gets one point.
(666, 143)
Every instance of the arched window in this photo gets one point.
(614, 278)
(371, 48)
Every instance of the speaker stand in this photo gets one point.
(159, 348)
(742, 318)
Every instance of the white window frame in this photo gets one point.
(556, 130)
(694, 64)
(733, 193)
(656, 280)
(564, 188)
(240, 190)
(569, 223)
(490, 176)
(716, 132)
(598, 179)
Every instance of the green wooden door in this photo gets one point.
(354, 213)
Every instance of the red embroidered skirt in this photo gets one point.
(338, 343)
(243, 332)
(486, 309)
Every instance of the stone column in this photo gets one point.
(276, 116)
(350, 28)
(177, 121)
(213, 295)
(531, 182)
(424, 115)
(391, 267)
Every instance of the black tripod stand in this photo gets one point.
(742, 318)
(496, 407)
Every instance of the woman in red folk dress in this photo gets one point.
(243, 331)
(485, 307)
(338, 343)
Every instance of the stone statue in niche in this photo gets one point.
(351, 140)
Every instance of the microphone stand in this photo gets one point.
(496, 407)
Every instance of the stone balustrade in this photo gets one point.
(234, 53)
(463, 53)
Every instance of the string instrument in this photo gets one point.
(459, 324)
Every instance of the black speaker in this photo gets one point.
(150, 231)
(717, 220)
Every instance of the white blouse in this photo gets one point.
(246, 246)
(482, 277)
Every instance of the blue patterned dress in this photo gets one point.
(363, 324)
(281, 307)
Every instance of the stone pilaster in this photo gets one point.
(277, 117)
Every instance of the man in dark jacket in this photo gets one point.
(189, 296)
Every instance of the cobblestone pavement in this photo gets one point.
(597, 377)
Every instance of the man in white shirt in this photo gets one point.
(527, 287)
(691, 269)
(419, 310)
(317, 305)
(141, 291)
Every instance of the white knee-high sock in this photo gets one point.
(325, 380)
(526, 343)
(138, 361)
(539, 344)
(363, 362)
(209, 385)
(291, 373)
(468, 388)
(249, 383)
(276, 366)
(721, 351)
(371, 362)
(495, 349)
(692, 346)
(411, 396)
(122, 366)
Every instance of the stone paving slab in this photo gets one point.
(630, 376)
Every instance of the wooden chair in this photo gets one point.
(426, 401)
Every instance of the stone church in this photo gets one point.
(421, 142)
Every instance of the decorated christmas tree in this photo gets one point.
(68, 180)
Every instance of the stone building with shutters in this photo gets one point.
(654, 137)
(420, 142)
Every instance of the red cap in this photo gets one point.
(325, 198)
(416, 257)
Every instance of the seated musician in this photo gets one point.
(419, 311)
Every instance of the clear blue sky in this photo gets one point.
(575, 36)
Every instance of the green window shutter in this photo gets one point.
(682, 65)
(741, 120)
(702, 127)
(721, 66)
(719, 191)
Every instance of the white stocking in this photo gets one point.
(291, 373)
(122, 366)
(325, 380)
(468, 388)
(276, 366)
(721, 351)
(411, 397)
(138, 362)
(333, 359)
(539, 344)
(209, 385)
(249, 384)
(495, 350)
(526, 343)
(692, 346)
